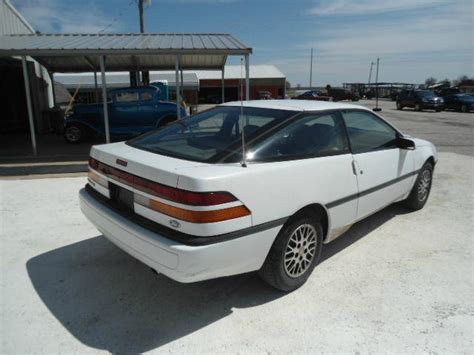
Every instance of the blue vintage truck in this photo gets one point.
(132, 111)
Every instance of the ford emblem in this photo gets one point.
(174, 223)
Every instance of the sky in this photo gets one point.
(414, 39)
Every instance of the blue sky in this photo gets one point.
(414, 39)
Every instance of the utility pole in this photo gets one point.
(377, 108)
(145, 73)
(370, 72)
(311, 71)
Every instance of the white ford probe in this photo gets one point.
(184, 201)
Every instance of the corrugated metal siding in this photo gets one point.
(11, 22)
(86, 80)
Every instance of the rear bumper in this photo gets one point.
(183, 263)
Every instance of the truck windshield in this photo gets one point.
(207, 136)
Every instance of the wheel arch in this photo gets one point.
(316, 209)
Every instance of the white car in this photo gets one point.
(195, 201)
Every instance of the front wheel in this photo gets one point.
(294, 254)
(399, 106)
(421, 190)
(418, 107)
(464, 108)
(74, 133)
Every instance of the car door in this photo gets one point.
(149, 111)
(315, 161)
(385, 173)
(126, 111)
(410, 99)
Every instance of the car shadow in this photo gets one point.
(110, 301)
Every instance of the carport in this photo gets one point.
(74, 53)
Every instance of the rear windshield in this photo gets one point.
(211, 135)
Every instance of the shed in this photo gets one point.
(74, 53)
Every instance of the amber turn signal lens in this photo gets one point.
(199, 216)
(97, 178)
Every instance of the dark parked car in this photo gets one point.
(132, 111)
(313, 95)
(420, 100)
(342, 94)
(459, 102)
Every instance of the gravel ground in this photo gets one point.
(395, 282)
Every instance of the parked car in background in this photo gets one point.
(265, 95)
(132, 111)
(459, 102)
(420, 100)
(342, 94)
(191, 203)
(313, 95)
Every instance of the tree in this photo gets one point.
(446, 82)
(430, 81)
(464, 80)
(288, 85)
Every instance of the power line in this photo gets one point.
(116, 18)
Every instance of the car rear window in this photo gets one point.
(212, 134)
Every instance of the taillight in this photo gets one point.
(169, 193)
(194, 216)
(180, 196)
(183, 196)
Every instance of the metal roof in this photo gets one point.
(124, 51)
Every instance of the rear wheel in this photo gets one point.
(74, 133)
(417, 107)
(421, 190)
(399, 106)
(294, 254)
(464, 108)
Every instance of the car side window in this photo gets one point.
(312, 135)
(368, 132)
(126, 96)
(146, 96)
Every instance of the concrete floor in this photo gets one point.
(395, 282)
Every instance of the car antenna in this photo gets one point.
(244, 155)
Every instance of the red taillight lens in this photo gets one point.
(169, 193)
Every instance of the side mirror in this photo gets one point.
(405, 143)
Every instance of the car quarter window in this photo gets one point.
(368, 132)
(146, 96)
(311, 135)
(126, 96)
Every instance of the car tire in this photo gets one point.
(464, 108)
(294, 254)
(438, 110)
(74, 133)
(421, 189)
(418, 107)
(399, 106)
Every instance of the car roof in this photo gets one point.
(296, 105)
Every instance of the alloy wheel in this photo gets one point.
(300, 250)
(424, 185)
